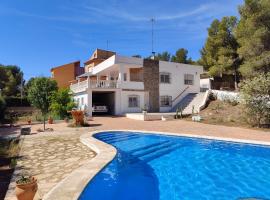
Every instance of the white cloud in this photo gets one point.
(16, 12)
(116, 13)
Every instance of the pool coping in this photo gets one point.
(73, 185)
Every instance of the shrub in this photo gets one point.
(2, 108)
(16, 102)
(256, 95)
(61, 103)
(78, 117)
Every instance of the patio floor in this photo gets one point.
(53, 155)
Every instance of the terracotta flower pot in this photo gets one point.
(78, 117)
(50, 120)
(66, 120)
(26, 191)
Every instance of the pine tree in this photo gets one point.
(253, 36)
(219, 55)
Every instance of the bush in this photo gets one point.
(61, 103)
(256, 95)
(2, 108)
(17, 102)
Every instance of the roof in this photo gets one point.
(64, 65)
(100, 55)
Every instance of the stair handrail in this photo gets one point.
(179, 94)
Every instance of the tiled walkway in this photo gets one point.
(52, 156)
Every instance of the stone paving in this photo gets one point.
(51, 157)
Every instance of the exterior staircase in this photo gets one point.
(190, 100)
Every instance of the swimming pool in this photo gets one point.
(152, 167)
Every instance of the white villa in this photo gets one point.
(130, 84)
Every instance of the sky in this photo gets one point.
(37, 35)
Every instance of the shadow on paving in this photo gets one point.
(8, 157)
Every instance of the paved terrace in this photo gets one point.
(52, 156)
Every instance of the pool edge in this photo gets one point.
(80, 177)
(71, 187)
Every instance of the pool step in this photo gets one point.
(154, 153)
(148, 146)
(108, 135)
(117, 137)
(113, 140)
(160, 153)
(153, 149)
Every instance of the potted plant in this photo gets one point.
(29, 121)
(26, 187)
(50, 120)
(66, 119)
(78, 117)
(144, 109)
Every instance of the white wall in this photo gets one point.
(124, 101)
(177, 85)
(118, 103)
(78, 98)
(205, 83)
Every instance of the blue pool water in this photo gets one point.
(152, 167)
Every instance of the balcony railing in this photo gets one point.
(93, 84)
(103, 84)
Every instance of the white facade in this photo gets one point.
(127, 96)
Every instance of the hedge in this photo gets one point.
(17, 102)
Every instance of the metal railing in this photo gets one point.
(179, 94)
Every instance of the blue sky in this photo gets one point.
(39, 34)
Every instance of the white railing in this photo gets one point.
(103, 84)
(79, 87)
(83, 85)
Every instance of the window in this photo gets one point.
(125, 76)
(189, 79)
(136, 74)
(133, 101)
(165, 77)
(165, 101)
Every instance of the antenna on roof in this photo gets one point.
(153, 52)
(107, 43)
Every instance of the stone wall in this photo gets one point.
(151, 83)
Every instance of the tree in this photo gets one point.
(2, 108)
(39, 94)
(180, 56)
(219, 54)
(256, 95)
(253, 35)
(165, 56)
(137, 56)
(61, 103)
(11, 78)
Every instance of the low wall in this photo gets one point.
(226, 95)
(149, 116)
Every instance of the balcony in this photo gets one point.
(81, 86)
(103, 84)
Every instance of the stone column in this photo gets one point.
(151, 82)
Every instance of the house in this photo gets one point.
(130, 84)
(65, 73)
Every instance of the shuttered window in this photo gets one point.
(189, 79)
